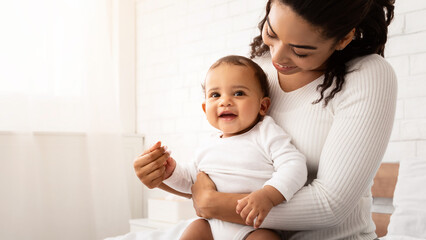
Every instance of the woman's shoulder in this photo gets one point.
(369, 77)
(368, 63)
(370, 69)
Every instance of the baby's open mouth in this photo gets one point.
(227, 115)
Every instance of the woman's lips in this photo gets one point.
(283, 68)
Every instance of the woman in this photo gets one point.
(333, 92)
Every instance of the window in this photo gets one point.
(52, 52)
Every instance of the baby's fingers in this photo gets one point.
(251, 217)
(259, 220)
(242, 203)
(245, 212)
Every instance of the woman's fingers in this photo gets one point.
(152, 174)
(152, 148)
(201, 190)
(151, 166)
(146, 164)
(204, 182)
(148, 158)
(155, 182)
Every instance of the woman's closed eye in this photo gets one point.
(269, 32)
(294, 52)
(299, 54)
(270, 35)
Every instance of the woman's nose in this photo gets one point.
(279, 53)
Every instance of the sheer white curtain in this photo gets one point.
(62, 174)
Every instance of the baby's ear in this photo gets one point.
(265, 103)
(203, 105)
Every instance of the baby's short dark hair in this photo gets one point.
(243, 61)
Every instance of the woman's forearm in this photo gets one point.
(221, 206)
(209, 203)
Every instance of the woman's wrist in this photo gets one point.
(222, 206)
(209, 203)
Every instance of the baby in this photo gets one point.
(251, 154)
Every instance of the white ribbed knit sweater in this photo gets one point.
(344, 144)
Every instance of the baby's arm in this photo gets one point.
(289, 174)
(258, 204)
(182, 176)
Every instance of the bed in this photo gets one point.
(402, 183)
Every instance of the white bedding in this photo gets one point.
(408, 221)
(172, 233)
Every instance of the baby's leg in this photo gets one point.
(263, 233)
(198, 229)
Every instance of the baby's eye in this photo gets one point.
(214, 95)
(239, 93)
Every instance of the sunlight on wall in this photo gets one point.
(43, 50)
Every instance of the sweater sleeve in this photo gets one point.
(363, 120)
(289, 164)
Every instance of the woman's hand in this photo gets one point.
(154, 165)
(202, 191)
(209, 203)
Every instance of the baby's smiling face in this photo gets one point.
(234, 99)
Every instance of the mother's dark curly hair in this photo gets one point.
(336, 18)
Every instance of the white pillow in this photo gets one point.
(408, 221)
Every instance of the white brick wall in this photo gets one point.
(177, 40)
(406, 52)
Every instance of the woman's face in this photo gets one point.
(295, 45)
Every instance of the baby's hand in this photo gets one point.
(170, 165)
(255, 206)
